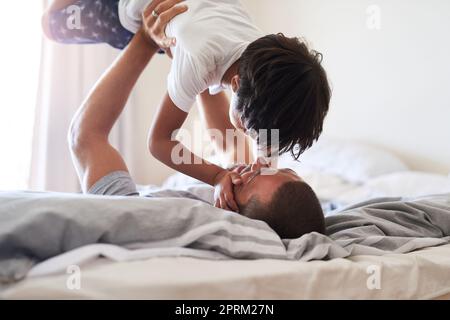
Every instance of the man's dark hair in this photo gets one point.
(283, 86)
(293, 211)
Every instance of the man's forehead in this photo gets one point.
(273, 171)
(290, 170)
(264, 186)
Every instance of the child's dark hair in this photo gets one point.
(283, 86)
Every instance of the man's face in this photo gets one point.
(255, 183)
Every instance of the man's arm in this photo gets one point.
(235, 146)
(92, 153)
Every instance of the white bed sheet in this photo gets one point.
(423, 274)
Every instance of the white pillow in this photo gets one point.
(353, 162)
(401, 184)
(410, 184)
(327, 186)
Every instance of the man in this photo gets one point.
(282, 200)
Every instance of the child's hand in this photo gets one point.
(224, 195)
(238, 168)
(156, 17)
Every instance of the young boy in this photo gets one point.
(276, 82)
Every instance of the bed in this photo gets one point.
(342, 174)
(419, 275)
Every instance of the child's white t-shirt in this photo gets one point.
(211, 36)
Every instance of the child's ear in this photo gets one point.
(235, 83)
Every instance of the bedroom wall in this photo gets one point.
(392, 85)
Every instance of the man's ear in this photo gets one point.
(235, 83)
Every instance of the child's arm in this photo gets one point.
(214, 110)
(172, 153)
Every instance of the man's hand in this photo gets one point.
(155, 27)
(224, 195)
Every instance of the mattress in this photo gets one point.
(357, 176)
(422, 274)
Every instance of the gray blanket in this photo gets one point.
(37, 226)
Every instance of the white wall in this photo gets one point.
(392, 86)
